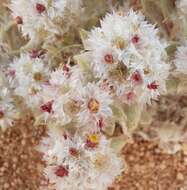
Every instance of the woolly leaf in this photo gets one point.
(38, 120)
(120, 117)
(171, 49)
(84, 35)
(117, 143)
(146, 118)
(83, 61)
(167, 7)
(110, 127)
(172, 84)
(182, 87)
(133, 113)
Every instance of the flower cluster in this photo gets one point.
(28, 73)
(124, 65)
(61, 96)
(40, 18)
(127, 54)
(79, 163)
(65, 98)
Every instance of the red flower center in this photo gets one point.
(109, 58)
(136, 78)
(90, 144)
(130, 96)
(47, 107)
(40, 8)
(135, 39)
(65, 136)
(11, 73)
(37, 53)
(100, 123)
(153, 86)
(34, 54)
(19, 20)
(74, 152)
(65, 68)
(61, 171)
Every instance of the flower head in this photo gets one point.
(95, 104)
(29, 76)
(127, 51)
(70, 160)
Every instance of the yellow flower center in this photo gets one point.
(94, 138)
(93, 105)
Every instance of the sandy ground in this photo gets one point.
(148, 167)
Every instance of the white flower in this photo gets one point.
(95, 104)
(79, 163)
(59, 109)
(127, 51)
(181, 59)
(60, 77)
(67, 77)
(41, 17)
(30, 75)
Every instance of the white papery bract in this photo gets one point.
(72, 163)
(181, 59)
(30, 75)
(42, 17)
(127, 51)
